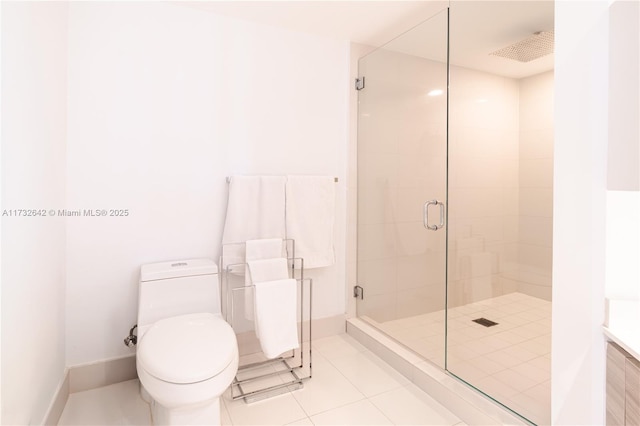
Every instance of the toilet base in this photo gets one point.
(203, 414)
(207, 413)
(145, 395)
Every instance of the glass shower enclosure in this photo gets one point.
(402, 185)
(454, 210)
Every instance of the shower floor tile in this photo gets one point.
(510, 361)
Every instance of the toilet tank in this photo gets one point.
(168, 289)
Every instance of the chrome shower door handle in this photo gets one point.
(425, 215)
(441, 224)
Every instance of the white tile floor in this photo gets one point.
(350, 386)
(510, 361)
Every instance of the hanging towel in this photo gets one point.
(310, 211)
(267, 270)
(269, 248)
(256, 250)
(276, 316)
(255, 210)
(260, 271)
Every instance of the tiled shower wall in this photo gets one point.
(483, 185)
(536, 185)
(500, 186)
(500, 180)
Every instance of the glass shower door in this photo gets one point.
(402, 185)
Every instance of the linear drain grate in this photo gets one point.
(485, 322)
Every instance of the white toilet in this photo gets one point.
(187, 353)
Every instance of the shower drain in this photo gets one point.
(485, 322)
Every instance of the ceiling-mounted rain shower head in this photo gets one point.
(534, 47)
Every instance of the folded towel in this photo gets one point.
(310, 211)
(276, 308)
(270, 248)
(255, 250)
(259, 271)
(255, 210)
(267, 270)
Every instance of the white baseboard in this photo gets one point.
(322, 327)
(102, 373)
(89, 376)
(97, 374)
(330, 326)
(59, 401)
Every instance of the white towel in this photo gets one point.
(269, 248)
(267, 270)
(310, 211)
(255, 250)
(260, 271)
(276, 315)
(255, 210)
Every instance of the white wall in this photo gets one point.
(623, 245)
(623, 198)
(623, 173)
(1, 226)
(164, 103)
(580, 177)
(34, 66)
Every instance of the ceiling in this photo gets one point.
(477, 27)
(367, 22)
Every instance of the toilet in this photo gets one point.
(187, 354)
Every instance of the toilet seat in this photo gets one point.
(187, 348)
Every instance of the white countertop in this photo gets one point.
(623, 325)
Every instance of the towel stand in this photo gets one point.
(259, 378)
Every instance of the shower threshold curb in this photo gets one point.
(468, 404)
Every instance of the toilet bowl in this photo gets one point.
(185, 360)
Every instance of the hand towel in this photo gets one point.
(268, 248)
(310, 211)
(276, 309)
(267, 270)
(255, 210)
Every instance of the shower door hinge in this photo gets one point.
(358, 291)
(360, 83)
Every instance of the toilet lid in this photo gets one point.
(187, 348)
